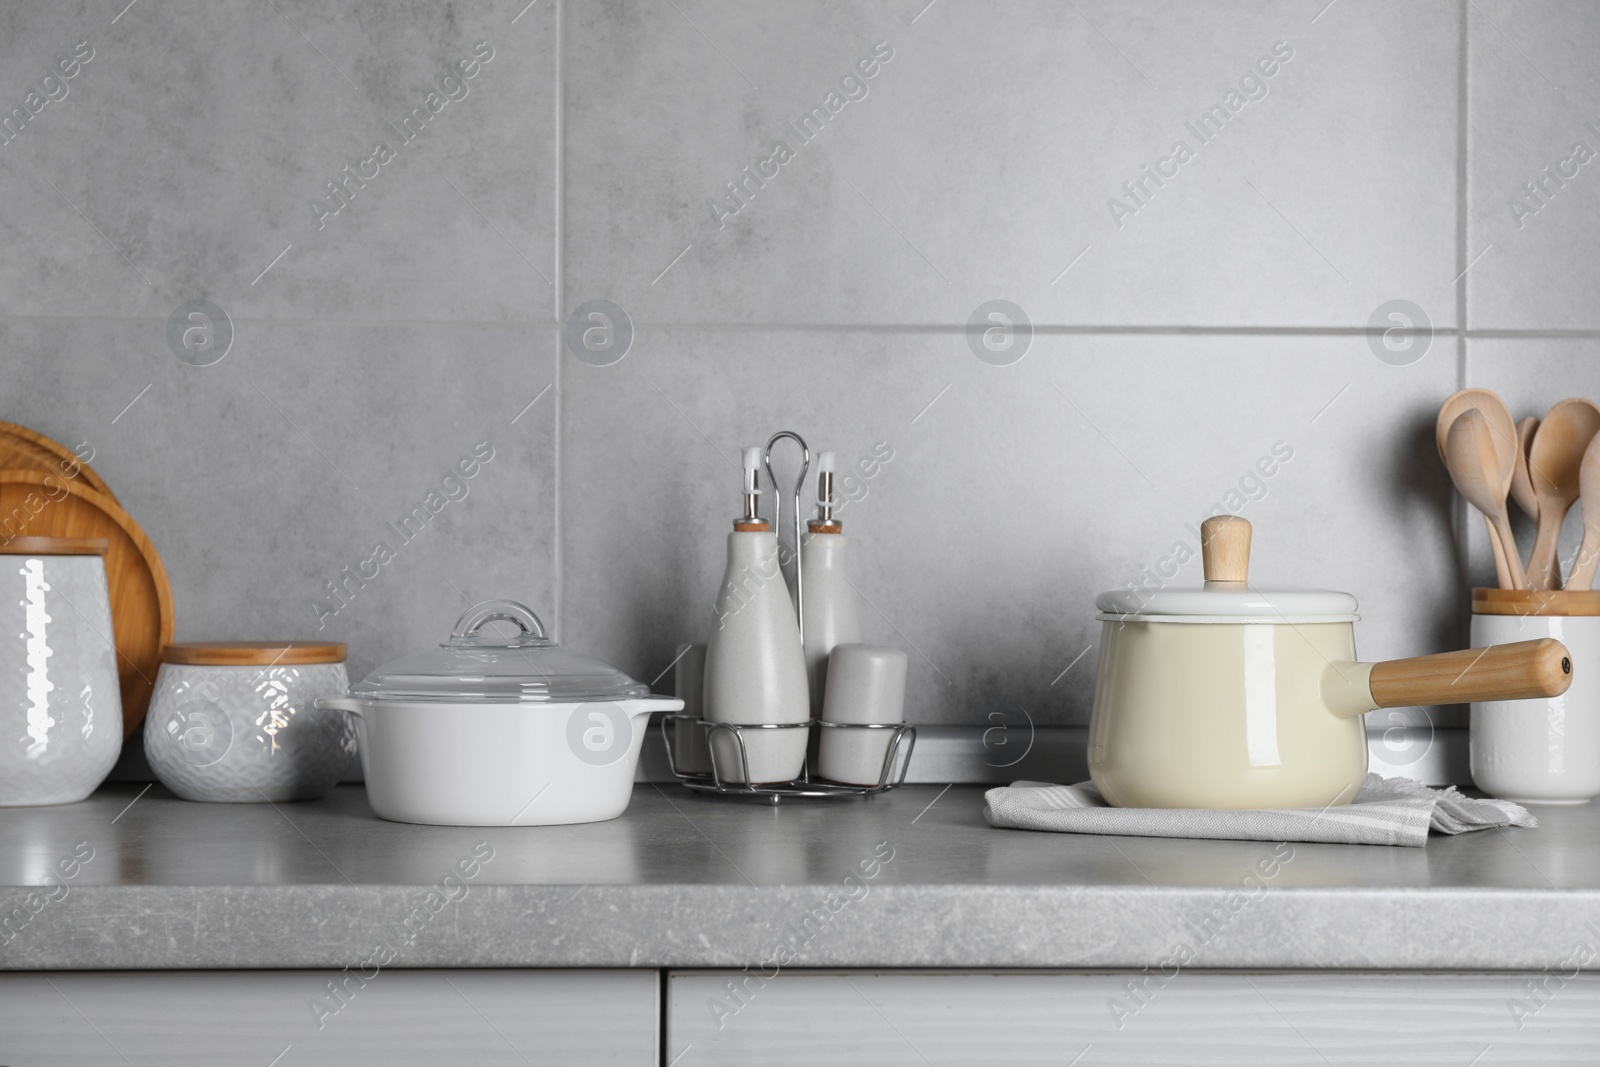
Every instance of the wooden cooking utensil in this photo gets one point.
(1554, 465)
(25, 449)
(1483, 475)
(1503, 432)
(1582, 576)
(1503, 575)
(1522, 485)
(1485, 400)
(34, 504)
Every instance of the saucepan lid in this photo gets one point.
(478, 666)
(1228, 596)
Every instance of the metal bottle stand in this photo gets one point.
(896, 758)
(897, 751)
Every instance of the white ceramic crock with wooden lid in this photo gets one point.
(1233, 696)
(237, 722)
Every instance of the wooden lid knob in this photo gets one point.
(1225, 549)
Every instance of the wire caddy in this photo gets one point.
(735, 781)
(896, 758)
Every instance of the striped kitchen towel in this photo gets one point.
(1387, 811)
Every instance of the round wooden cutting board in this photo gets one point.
(29, 450)
(37, 504)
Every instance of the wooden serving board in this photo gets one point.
(29, 450)
(37, 504)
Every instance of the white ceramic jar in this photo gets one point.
(238, 722)
(1547, 750)
(60, 702)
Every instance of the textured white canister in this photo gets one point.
(1544, 751)
(237, 722)
(60, 703)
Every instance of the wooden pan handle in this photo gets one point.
(1519, 671)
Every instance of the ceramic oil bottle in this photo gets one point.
(755, 668)
(830, 614)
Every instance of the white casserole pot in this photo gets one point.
(485, 731)
(1236, 697)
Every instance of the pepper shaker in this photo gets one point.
(866, 684)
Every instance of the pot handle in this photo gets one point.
(467, 627)
(350, 704)
(1521, 671)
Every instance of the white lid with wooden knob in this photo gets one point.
(1228, 596)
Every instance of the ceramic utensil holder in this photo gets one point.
(1543, 751)
(60, 701)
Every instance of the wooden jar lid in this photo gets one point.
(54, 546)
(1535, 602)
(254, 653)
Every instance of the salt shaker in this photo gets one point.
(865, 684)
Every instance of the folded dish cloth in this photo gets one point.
(1387, 811)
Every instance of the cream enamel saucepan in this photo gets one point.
(1237, 697)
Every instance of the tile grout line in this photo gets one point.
(1461, 515)
(558, 450)
(951, 329)
(1463, 171)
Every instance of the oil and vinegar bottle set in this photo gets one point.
(778, 663)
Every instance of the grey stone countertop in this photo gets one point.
(914, 878)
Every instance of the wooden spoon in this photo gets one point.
(1503, 429)
(1483, 476)
(1522, 485)
(1554, 464)
(1589, 495)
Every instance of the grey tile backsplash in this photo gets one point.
(1534, 129)
(1201, 209)
(995, 143)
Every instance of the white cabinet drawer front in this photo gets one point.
(288, 1018)
(922, 1019)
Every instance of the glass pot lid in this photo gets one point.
(478, 667)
